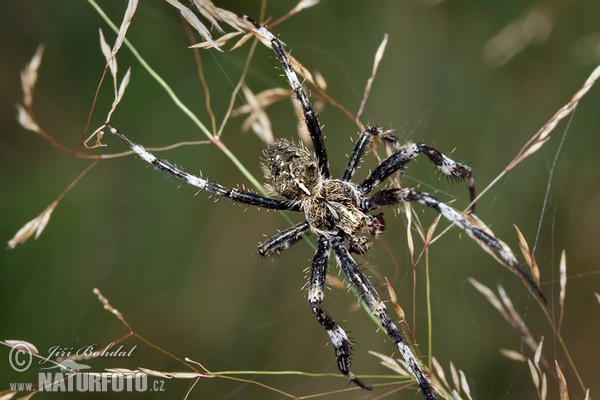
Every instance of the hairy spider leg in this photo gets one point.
(484, 239)
(371, 298)
(409, 152)
(336, 334)
(310, 116)
(358, 280)
(316, 289)
(234, 194)
(282, 240)
(359, 151)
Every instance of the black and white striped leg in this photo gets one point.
(484, 239)
(359, 150)
(234, 194)
(371, 298)
(409, 152)
(283, 240)
(361, 147)
(310, 116)
(316, 292)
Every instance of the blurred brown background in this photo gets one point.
(184, 270)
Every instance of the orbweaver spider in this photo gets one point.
(338, 211)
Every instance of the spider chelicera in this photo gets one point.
(338, 211)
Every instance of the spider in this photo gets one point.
(339, 212)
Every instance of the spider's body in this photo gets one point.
(291, 171)
(339, 212)
(331, 206)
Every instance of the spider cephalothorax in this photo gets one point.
(339, 211)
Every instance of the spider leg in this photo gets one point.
(282, 240)
(360, 148)
(409, 152)
(310, 116)
(211, 187)
(316, 289)
(371, 298)
(485, 240)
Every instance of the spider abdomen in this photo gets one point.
(290, 170)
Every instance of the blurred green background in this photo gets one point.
(184, 270)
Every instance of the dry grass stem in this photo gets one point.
(216, 138)
(36, 226)
(215, 15)
(529, 258)
(256, 104)
(110, 56)
(563, 288)
(367, 91)
(490, 296)
(21, 344)
(195, 22)
(431, 230)
(189, 360)
(464, 385)
(302, 5)
(108, 307)
(409, 239)
(171, 375)
(562, 383)
(505, 256)
(537, 375)
(538, 352)
(263, 100)
(534, 26)
(29, 76)
(513, 355)
(439, 371)
(219, 42)
(238, 23)
(516, 320)
(33, 228)
(538, 364)
(129, 12)
(97, 137)
(111, 61)
(119, 93)
(543, 134)
(26, 120)
(392, 364)
(505, 307)
(257, 120)
(454, 389)
(394, 300)
(454, 375)
(9, 394)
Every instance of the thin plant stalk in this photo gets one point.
(177, 101)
